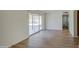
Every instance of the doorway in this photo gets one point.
(78, 23)
(35, 23)
(65, 21)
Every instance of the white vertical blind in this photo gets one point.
(35, 23)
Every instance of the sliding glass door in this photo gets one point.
(35, 23)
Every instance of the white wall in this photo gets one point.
(1, 29)
(71, 22)
(43, 22)
(15, 27)
(54, 20)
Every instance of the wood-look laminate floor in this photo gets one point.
(49, 39)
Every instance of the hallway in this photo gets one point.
(49, 39)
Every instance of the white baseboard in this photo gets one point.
(16, 42)
(3, 46)
(23, 39)
(53, 29)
